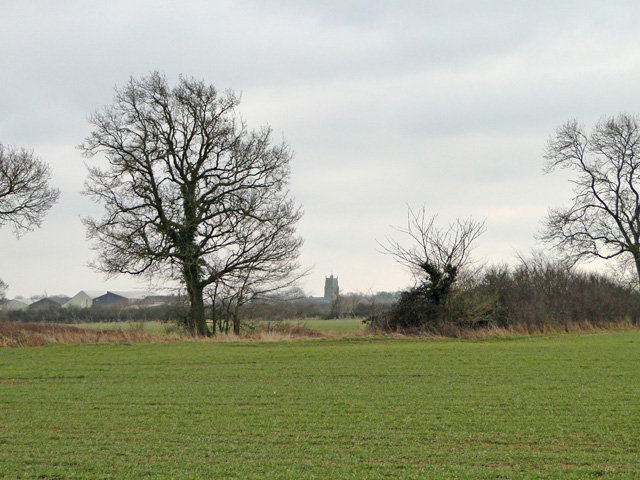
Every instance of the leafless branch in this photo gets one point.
(25, 194)
(603, 220)
(423, 242)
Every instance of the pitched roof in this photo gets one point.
(13, 305)
(133, 295)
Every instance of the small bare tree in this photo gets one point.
(231, 292)
(435, 257)
(25, 194)
(431, 253)
(603, 220)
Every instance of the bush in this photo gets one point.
(536, 295)
(539, 293)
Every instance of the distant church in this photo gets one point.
(331, 288)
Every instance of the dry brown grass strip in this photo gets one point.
(19, 334)
(449, 330)
(274, 332)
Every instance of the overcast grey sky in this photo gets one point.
(386, 103)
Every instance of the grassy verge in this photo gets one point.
(330, 327)
(152, 327)
(19, 334)
(340, 326)
(564, 406)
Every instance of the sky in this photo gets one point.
(387, 104)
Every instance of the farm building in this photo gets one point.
(14, 305)
(45, 303)
(84, 298)
(89, 298)
(157, 300)
(120, 299)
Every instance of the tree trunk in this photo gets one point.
(196, 322)
(236, 321)
(636, 258)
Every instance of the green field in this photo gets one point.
(564, 406)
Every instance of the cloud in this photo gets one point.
(385, 103)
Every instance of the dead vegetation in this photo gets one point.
(282, 331)
(22, 334)
(451, 330)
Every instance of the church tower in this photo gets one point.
(331, 288)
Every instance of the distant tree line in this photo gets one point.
(224, 312)
(351, 305)
(71, 315)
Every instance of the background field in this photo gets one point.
(537, 407)
(334, 326)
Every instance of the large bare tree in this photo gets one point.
(189, 191)
(25, 194)
(603, 220)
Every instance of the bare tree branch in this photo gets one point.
(25, 194)
(435, 257)
(603, 220)
(424, 243)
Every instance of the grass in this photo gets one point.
(561, 406)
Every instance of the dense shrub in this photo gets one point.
(428, 303)
(539, 294)
(536, 295)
